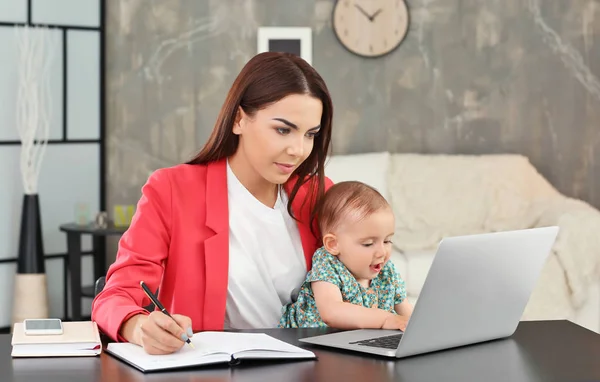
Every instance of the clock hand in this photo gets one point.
(363, 12)
(372, 17)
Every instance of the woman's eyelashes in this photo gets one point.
(283, 130)
(287, 130)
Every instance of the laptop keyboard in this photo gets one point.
(387, 342)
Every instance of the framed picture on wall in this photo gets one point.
(295, 40)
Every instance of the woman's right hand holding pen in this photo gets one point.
(158, 333)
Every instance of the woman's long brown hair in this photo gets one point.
(265, 79)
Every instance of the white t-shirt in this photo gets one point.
(266, 259)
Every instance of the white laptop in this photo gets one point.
(476, 290)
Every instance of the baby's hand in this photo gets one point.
(395, 321)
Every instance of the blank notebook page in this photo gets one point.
(186, 356)
(259, 344)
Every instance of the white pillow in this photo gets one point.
(370, 168)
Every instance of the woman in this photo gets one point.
(228, 236)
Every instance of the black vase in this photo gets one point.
(30, 289)
(31, 247)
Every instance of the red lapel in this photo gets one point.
(216, 248)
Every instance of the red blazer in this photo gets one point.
(179, 240)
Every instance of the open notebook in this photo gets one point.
(80, 338)
(210, 348)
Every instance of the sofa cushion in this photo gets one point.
(370, 168)
(435, 196)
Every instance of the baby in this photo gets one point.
(352, 284)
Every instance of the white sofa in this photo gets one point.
(436, 196)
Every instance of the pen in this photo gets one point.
(160, 306)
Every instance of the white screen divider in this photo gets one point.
(72, 170)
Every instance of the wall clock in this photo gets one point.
(370, 28)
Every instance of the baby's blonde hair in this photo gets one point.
(348, 198)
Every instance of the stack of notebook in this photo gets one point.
(78, 339)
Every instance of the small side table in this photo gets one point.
(72, 263)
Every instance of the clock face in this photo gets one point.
(370, 28)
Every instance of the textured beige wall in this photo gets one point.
(472, 76)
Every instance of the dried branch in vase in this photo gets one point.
(37, 48)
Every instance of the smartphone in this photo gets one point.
(43, 326)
